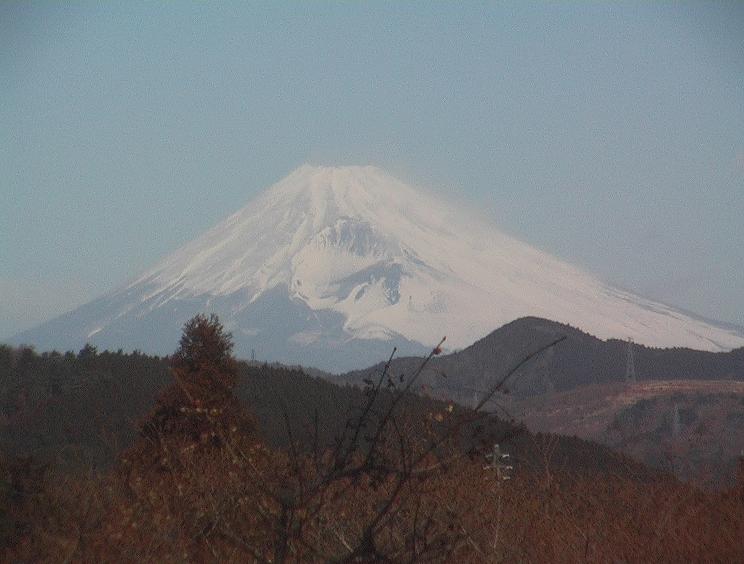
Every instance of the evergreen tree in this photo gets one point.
(200, 404)
(203, 365)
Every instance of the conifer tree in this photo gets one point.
(200, 403)
(203, 365)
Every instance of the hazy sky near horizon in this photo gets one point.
(609, 134)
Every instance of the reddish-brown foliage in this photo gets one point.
(199, 486)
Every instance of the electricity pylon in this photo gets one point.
(630, 371)
(676, 425)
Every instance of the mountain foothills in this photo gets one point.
(682, 410)
(124, 457)
(333, 266)
(83, 409)
(579, 360)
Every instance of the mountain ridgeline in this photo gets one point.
(82, 410)
(578, 360)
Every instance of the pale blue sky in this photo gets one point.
(611, 135)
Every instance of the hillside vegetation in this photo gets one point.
(578, 387)
(123, 457)
(580, 359)
(692, 428)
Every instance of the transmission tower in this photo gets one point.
(630, 371)
(676, 425)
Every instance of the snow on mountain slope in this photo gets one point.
(389, 258)
(382, 261)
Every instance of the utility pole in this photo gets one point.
(497, 460)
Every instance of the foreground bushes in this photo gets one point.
(201, 504)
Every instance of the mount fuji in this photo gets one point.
(333, 266)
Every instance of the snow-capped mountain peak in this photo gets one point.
(330, 256)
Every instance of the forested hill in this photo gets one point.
(578, 360)
(82, 410)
